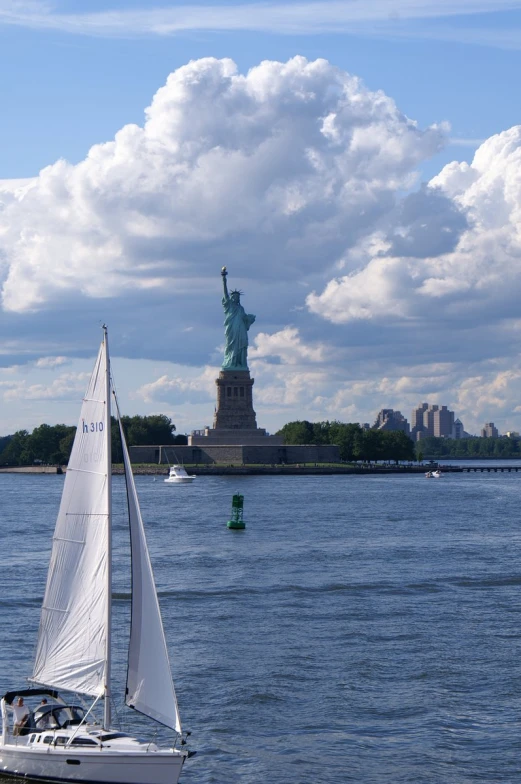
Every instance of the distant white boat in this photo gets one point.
(178, 476)
(433, 474)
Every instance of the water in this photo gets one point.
(361, 629)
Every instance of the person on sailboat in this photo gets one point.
(21, 713)
(43, 718)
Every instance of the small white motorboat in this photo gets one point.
(436, 474)
(178, 476)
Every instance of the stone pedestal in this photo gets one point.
(234, 401)
(234, 420)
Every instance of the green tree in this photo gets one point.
(321, 433)
(298, 432)
(344, 436)
(146, 430)
(45, 443)
(15, 448)
(396, 445)
(369, 445)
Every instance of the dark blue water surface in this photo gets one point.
(362, 629)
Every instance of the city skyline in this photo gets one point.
(339, 160)
(431, 420)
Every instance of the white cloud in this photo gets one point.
(478, 279)
(51, 362)
(64, 387)
(287, 346)
(292, 161)
(180, 389)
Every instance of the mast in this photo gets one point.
(108, 434)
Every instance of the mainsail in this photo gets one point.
(71, 647)
(150, 688)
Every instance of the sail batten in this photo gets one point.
(70, 651)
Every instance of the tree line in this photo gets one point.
(52, 444)
(353, 442)
(470, 447)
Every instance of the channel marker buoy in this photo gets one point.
(237, 521)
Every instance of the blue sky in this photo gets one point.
(65, 91)
(77, 73)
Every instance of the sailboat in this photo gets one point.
(58, 739)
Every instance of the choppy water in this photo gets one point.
(361, 629)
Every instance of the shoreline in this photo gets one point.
(282, 470)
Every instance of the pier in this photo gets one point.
(481, 468)
(32, 469)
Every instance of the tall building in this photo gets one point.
(443, 422)
(431, 420)
(417, 416)
(388, 419)
(489, 431)
(458, 431)
(417, 430)
(428, 420)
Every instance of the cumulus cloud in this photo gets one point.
(455, 252)
(61, 388)
(288, 164)
(286, 346)
(51, 362)
(180, 389)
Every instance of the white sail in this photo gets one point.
(73, 632)
(150, 688)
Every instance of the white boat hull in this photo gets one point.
(100, 766)
(177, 475)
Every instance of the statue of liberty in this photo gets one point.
(236, 325)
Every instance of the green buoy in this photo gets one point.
(237, 509)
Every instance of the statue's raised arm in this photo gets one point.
(224, 273)
(236, 325)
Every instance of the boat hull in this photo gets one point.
(99, 766)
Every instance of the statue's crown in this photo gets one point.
(236, 291)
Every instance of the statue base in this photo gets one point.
(234, 409)
(234, 420)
